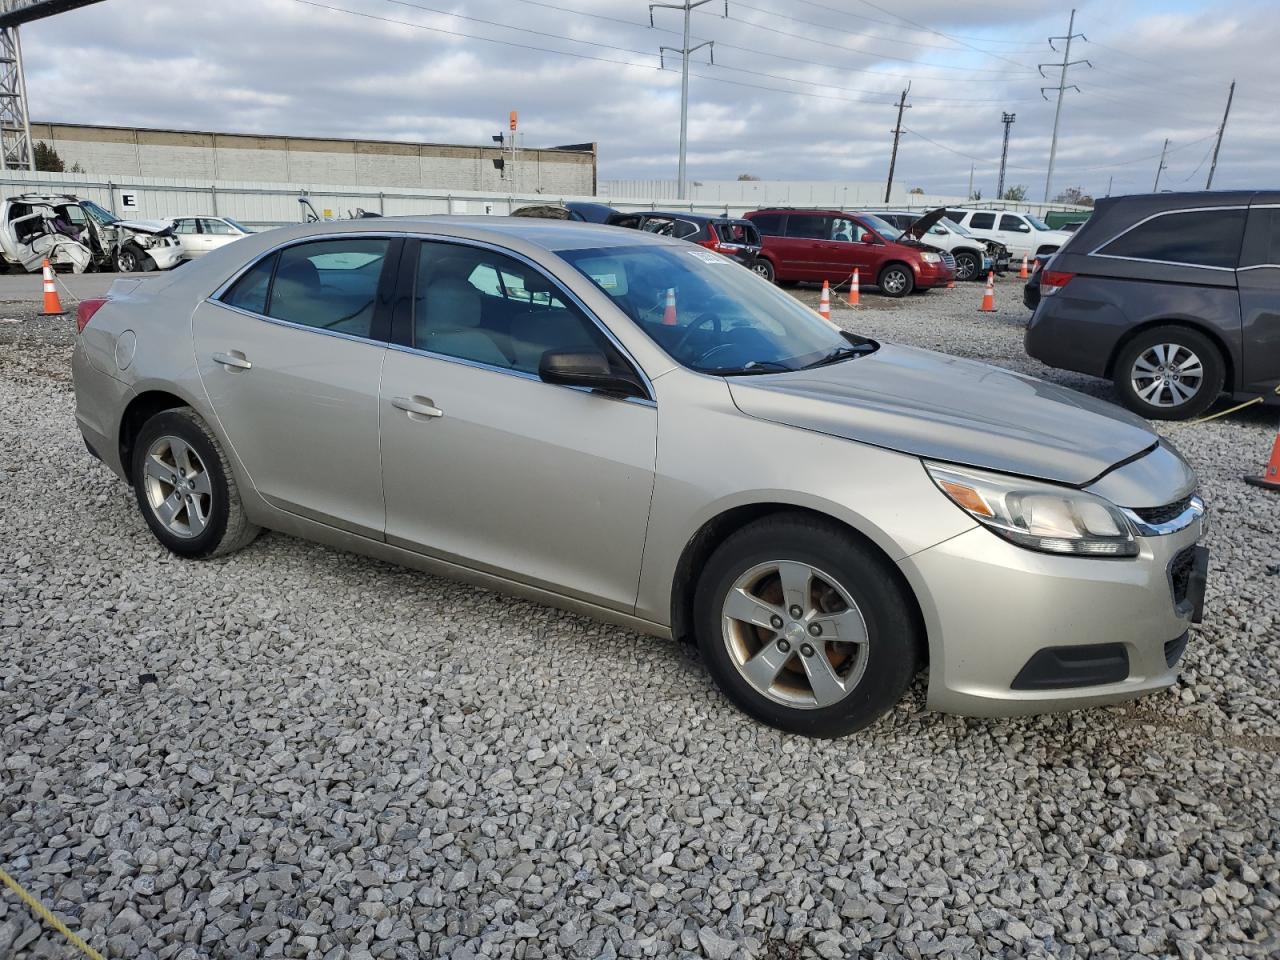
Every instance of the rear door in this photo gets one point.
(804, 246)
(187, 230)
(290, 357)
(1259, 283)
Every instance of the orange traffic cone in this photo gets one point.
(1270, 478)
(989, 295)
(824, 305)
(854, 284)
(669, 314)
(1023, 273)
(52, 305)
(951, 281)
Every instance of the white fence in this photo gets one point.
(274, 204)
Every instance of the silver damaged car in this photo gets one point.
(631, 427)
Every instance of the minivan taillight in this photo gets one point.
(85, 311)
(1051, 281)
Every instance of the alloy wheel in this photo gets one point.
(894, 281)
(966, 267)
(1167, 375)
(795, 634)
(178, 489)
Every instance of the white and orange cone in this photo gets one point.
(1269, 479)
(1023, 274)
(854, 284)
(989, 295)
(52, 304)
(824, 305)
(669, 313)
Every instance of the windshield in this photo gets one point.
(239, 226)
(882, 227)
(1036, 222)
(97, 213)
(710, 314)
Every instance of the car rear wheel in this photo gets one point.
(763, 268)
(967, 266)
(1169, 373)
(185, 488)
(896, 280)
(805, 628)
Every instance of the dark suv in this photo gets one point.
(1173, 296)
(736, 239)
(819, 245)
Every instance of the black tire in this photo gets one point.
(133, 259)
(1166, 403)
(763, 268)
(226, 527)
(896, 280)
(968, 266)
(891, 655)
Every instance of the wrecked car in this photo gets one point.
(83, 236)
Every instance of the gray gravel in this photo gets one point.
(300, 753)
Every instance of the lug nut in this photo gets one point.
(784, 646)
(806, 649)
(796, 612)
(776, 622)
(815, 629)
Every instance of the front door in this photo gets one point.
(487, 466)
(1258, 279)
(1016, 234)
(848, 250)
(290, 359)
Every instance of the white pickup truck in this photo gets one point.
(1023, 234)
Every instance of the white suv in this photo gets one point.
(1023, 234)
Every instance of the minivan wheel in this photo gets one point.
(185, 488)
(763, 268)
(967, 266)
(1169, 373)
(804, 628)
(896, 280)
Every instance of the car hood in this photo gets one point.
(960, 411)
(922, 226)
(145, 226)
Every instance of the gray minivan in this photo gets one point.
(1175, 297)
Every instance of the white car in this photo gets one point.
(199, 235)
(1023, 234)
(81, 235)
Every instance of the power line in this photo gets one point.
(939, 33)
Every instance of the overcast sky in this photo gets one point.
(801, 89)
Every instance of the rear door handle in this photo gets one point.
(417, 407)
(233, 359)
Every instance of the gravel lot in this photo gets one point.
(300, 753)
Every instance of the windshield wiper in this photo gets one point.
(838, 354)
(750, 368)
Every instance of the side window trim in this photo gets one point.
(1250, 249)
(403, 325)
(1097, 251)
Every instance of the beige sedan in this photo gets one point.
(630, 427)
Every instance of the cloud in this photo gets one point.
(799, 90)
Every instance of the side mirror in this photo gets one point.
(586, 368)
(869, 238)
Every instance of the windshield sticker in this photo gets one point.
(706, 256)
(607, 281)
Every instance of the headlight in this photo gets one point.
(929, 256)
(1040, 516)
(145, 241)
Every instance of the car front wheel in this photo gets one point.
(896, 280)
(133, 259)
(967, 266)
(1169, 373)
(804, 627)
(185, 488)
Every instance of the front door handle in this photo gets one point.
(418, 408)
(234, 359)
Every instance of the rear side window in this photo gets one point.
(330, 284)
(983, 221)
(250, 291)
(769, 224)
(1262, 239)
(807, 226)
(1206, 238)
(736, 231)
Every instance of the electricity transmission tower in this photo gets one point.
(688, 6)
(1062, 87)
(15, 121)
(1007, 119)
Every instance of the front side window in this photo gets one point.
(807, 226)
(1207, 238)
(329, 284)
(983, 221)
(708, 313)
(849, 231)
(479, 305)
(1014, 224)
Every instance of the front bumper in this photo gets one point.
(165, 257)
(933, 275)
(990, 607)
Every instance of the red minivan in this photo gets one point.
(819, 245)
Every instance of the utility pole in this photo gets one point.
(970, 196)
(1063, 86)
(1221, 130)
(1007, 119)
(688, 6)
(897, 134)
(1110, 180)
(1160, 169)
